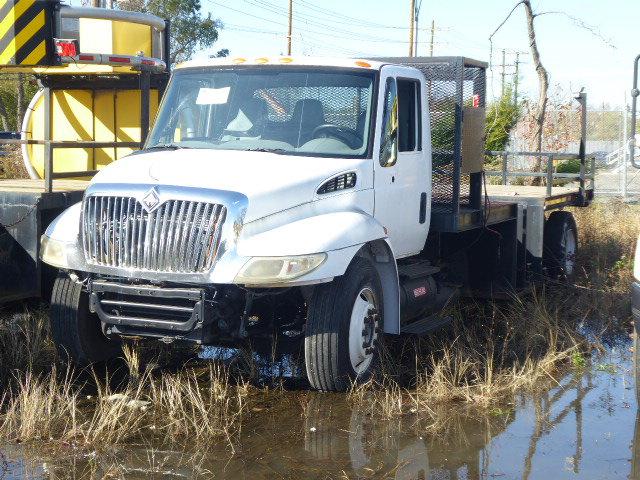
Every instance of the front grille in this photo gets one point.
(178, 236)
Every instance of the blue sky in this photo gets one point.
(574, 56)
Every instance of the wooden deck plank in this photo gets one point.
(37, 186)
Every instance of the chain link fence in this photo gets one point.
(607, 140)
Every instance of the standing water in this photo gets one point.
(583, 427)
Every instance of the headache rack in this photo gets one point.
(456, 92)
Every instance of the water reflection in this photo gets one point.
(583, 427)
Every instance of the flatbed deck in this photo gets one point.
(37, 186)
(26, 208)
(538, 195)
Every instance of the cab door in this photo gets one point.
(402, 164)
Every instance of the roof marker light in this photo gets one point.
(362, 63)
(286, 60)
(262, 60)
(239, 60)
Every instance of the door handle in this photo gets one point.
(423, 208)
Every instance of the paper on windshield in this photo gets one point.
(212, 96)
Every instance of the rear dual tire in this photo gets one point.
(560, 246)
(343, 330)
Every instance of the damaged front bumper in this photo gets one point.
(164, 312)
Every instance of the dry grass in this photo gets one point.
(25, 344)
(488, 354)
(185, 408)
(495, 350)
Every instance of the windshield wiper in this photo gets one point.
(166, 146)
(268, 150)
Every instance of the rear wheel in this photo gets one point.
(343, 328)
(76, 331)
(560, 245)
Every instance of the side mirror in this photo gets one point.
(389, 144)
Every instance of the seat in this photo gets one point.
(308, 114)
(251, 117)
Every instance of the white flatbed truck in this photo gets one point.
(321, 202)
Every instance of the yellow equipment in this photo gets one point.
(102, 73)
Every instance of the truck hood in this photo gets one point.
(271, 182)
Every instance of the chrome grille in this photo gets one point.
(178, 236)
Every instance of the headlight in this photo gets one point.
(54, 252)
(265, 270)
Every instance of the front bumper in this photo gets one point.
(150, 310)
(635, 300)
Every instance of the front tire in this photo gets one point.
(344, 322)
(76, 331)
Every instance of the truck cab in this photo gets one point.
(325, 203)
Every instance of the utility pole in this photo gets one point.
(412, 25)
(433, 34)
(516, 79)
(624, 151)
(290, 34)
(503, 69)
(416, 22)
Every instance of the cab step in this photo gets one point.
(425, 325)
(417, 269)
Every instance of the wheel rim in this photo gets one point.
(363, 331)
(568, 244)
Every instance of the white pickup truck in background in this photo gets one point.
(317, 203)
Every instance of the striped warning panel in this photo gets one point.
(25, 32)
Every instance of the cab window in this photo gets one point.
(409, 119)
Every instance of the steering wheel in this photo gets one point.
(344, 134)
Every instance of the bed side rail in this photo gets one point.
(586, 176)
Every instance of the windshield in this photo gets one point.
(279, 109)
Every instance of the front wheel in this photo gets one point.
(76, 331)
(343, 327)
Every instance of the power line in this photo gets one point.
(245, 13)
(327, 30)
(304, 8)
(349, 20)
(347, 34)
(241, 28)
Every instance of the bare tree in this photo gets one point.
(543, 78)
